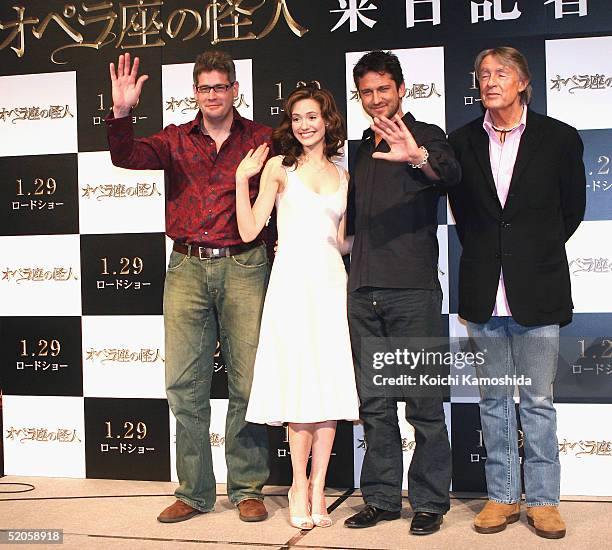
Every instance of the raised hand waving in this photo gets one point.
(126, 85)
(252, 163)
(403, 146)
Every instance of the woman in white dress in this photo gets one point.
(304, 372)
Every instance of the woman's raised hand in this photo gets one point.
(252, 164)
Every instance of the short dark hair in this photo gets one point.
(379, 62)
(214, 60)
(512, 58)
(335, 133)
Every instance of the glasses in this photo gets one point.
(218, 88)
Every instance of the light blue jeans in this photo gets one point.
(206, 300)
(513, 349)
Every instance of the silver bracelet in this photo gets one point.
(424, 161)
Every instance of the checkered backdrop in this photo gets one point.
(82, 245)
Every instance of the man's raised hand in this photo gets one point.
(403, 146)
(126, 86)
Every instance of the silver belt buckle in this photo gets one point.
(200, 250)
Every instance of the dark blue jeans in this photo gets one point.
(397, 313)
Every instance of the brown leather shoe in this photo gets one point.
(252, 509)
(494, 517)
(179, 511)
(547, 521)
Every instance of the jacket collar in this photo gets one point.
(530, 141)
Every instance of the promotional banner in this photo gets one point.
(83, 250)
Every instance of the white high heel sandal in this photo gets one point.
(299, 522)
(320, 520)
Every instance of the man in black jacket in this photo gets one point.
(402, 166)
(521, 197)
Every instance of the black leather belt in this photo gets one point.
(206, 252)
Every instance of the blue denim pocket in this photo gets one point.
(256, 257)
(177, 260)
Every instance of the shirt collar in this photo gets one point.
(487, 123)
(196, 123)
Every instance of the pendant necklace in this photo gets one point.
(504, 131)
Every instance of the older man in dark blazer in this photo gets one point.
(521, 197)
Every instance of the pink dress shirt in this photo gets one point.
(503, 157)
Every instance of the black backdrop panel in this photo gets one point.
(41, 356)
(341, 470)
(122, 274)
(127, 439)
(39, 195)
(95, 98)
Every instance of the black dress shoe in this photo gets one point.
(425, 523)
(370, 516)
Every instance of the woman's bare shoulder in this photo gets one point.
(276, 170)
(276, 161)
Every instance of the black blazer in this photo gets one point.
(545, 205)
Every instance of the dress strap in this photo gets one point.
(343, 177)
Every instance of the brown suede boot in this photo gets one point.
(547, 521)
(494, 517)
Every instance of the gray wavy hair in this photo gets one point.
(512, 58)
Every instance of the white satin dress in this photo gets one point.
(304, 368)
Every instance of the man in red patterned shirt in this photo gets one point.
(215, 283)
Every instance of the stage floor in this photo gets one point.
(110, 514)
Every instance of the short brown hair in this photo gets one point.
(512, 58)
(214, 60)
(335, 133)
(379, 62)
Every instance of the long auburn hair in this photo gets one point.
(335, 132)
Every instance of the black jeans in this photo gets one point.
(385, 313)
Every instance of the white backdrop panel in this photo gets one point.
(585, 438)
(115, 200)
(576, 74)
(40, 275)
(590, 262)
(123, 356)
(48, 444)
(43, 114)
